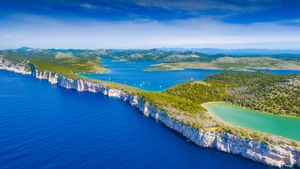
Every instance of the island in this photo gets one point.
(232, 63)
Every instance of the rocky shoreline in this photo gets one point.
(272, 155)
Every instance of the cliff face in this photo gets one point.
(273, 155)
(14, 66)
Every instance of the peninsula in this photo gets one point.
(179, 107)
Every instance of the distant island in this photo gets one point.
(167, 59)
(233, 63)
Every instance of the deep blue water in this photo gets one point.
(132, 74)
(45, 126)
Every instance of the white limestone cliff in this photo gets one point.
(272, 155)
(13, 66)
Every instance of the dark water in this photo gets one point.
(45, 126)
(133, 74)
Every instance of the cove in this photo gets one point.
(133, 74)
(260, 121)
(46, 126)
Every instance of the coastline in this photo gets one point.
(246, 108)
(217, 117)
(204, 105)
(272, 155)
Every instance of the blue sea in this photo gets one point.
(133, 74)
(46, 126)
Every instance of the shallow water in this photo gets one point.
(45, 126)
(265, 122)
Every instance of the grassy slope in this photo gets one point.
(278, 94)
(68, 66)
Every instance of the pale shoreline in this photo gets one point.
(204, 105)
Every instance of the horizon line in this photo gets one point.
(152, 48)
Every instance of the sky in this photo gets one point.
(95, 24)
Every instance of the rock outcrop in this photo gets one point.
(272, 155)
(18, 67)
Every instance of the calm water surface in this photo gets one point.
(45, 126)
(132, 74)
(279, 125)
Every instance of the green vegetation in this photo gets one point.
(181, 109)
(68, 66)
(157, 55)
(26, 52)
(278, 94)
(233, 63)
(166, 59)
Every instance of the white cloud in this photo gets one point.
(187, 5)
(245, 6)
(87, 6)
(203, 32)
(90, 6)
(5, 36)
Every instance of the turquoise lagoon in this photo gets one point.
(265, 122)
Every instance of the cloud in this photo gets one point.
(161, 10)
(290, 22)
(87, 6)
(90, 6)
(198, 32)
(146, 24)
(187, 5)
(233, 5)
(5, 36)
